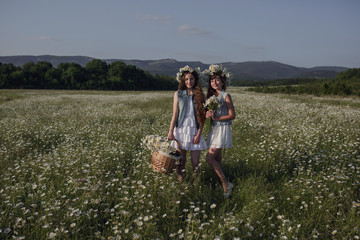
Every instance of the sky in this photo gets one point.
(302, 33)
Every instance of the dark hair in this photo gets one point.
(211, 91)
(198, 95)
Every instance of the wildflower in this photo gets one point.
(186, 69)
(212, 103)
(217, 70)
(7, 230)
(19, 238)
(159, 144)
(73, 225)
(213, 206)
(52, 235)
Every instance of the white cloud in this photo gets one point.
(191, 30)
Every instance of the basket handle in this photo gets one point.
(178, 143)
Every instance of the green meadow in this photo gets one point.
(73, 167)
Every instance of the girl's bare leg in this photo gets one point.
(218, 157)
(195, 160)
(181, 166)
(216, 165)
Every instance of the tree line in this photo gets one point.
(346, 83)
(96, 75)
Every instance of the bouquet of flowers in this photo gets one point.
(212, 103)
(161, 145)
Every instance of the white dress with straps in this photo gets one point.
(220, 133)
(185, 134)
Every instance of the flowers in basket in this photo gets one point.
(161, 145)
(212, 103)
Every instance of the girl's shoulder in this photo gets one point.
(224, 94)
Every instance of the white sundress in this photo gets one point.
(220, 135)
(185, 134)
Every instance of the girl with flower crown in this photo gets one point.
(219, 136)
(188, 118)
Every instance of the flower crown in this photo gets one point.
(217, 70)
(186, 69)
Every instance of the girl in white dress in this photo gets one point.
(188, 118)
(220, 133)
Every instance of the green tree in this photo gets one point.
(72, 76)
(52, 78)
(17, 79)
(115, 76)
(34, 74)
(8, 76)
(29, 75)
(97, 72)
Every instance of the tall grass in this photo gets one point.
(72, 167)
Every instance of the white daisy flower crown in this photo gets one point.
(187, 69)
(217, 70)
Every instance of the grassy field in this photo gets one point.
(73, 167)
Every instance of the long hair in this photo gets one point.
(199, 96)
(211, 91)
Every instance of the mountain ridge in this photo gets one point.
(249, 70)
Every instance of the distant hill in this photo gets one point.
(250, 71)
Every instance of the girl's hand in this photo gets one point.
(171, 136)
(209, 114)
(196, 139)
(215, 118)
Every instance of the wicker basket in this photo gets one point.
(164, 163)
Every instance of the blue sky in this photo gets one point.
(303, 33)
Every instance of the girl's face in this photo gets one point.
(189, 80)
(216, 83)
